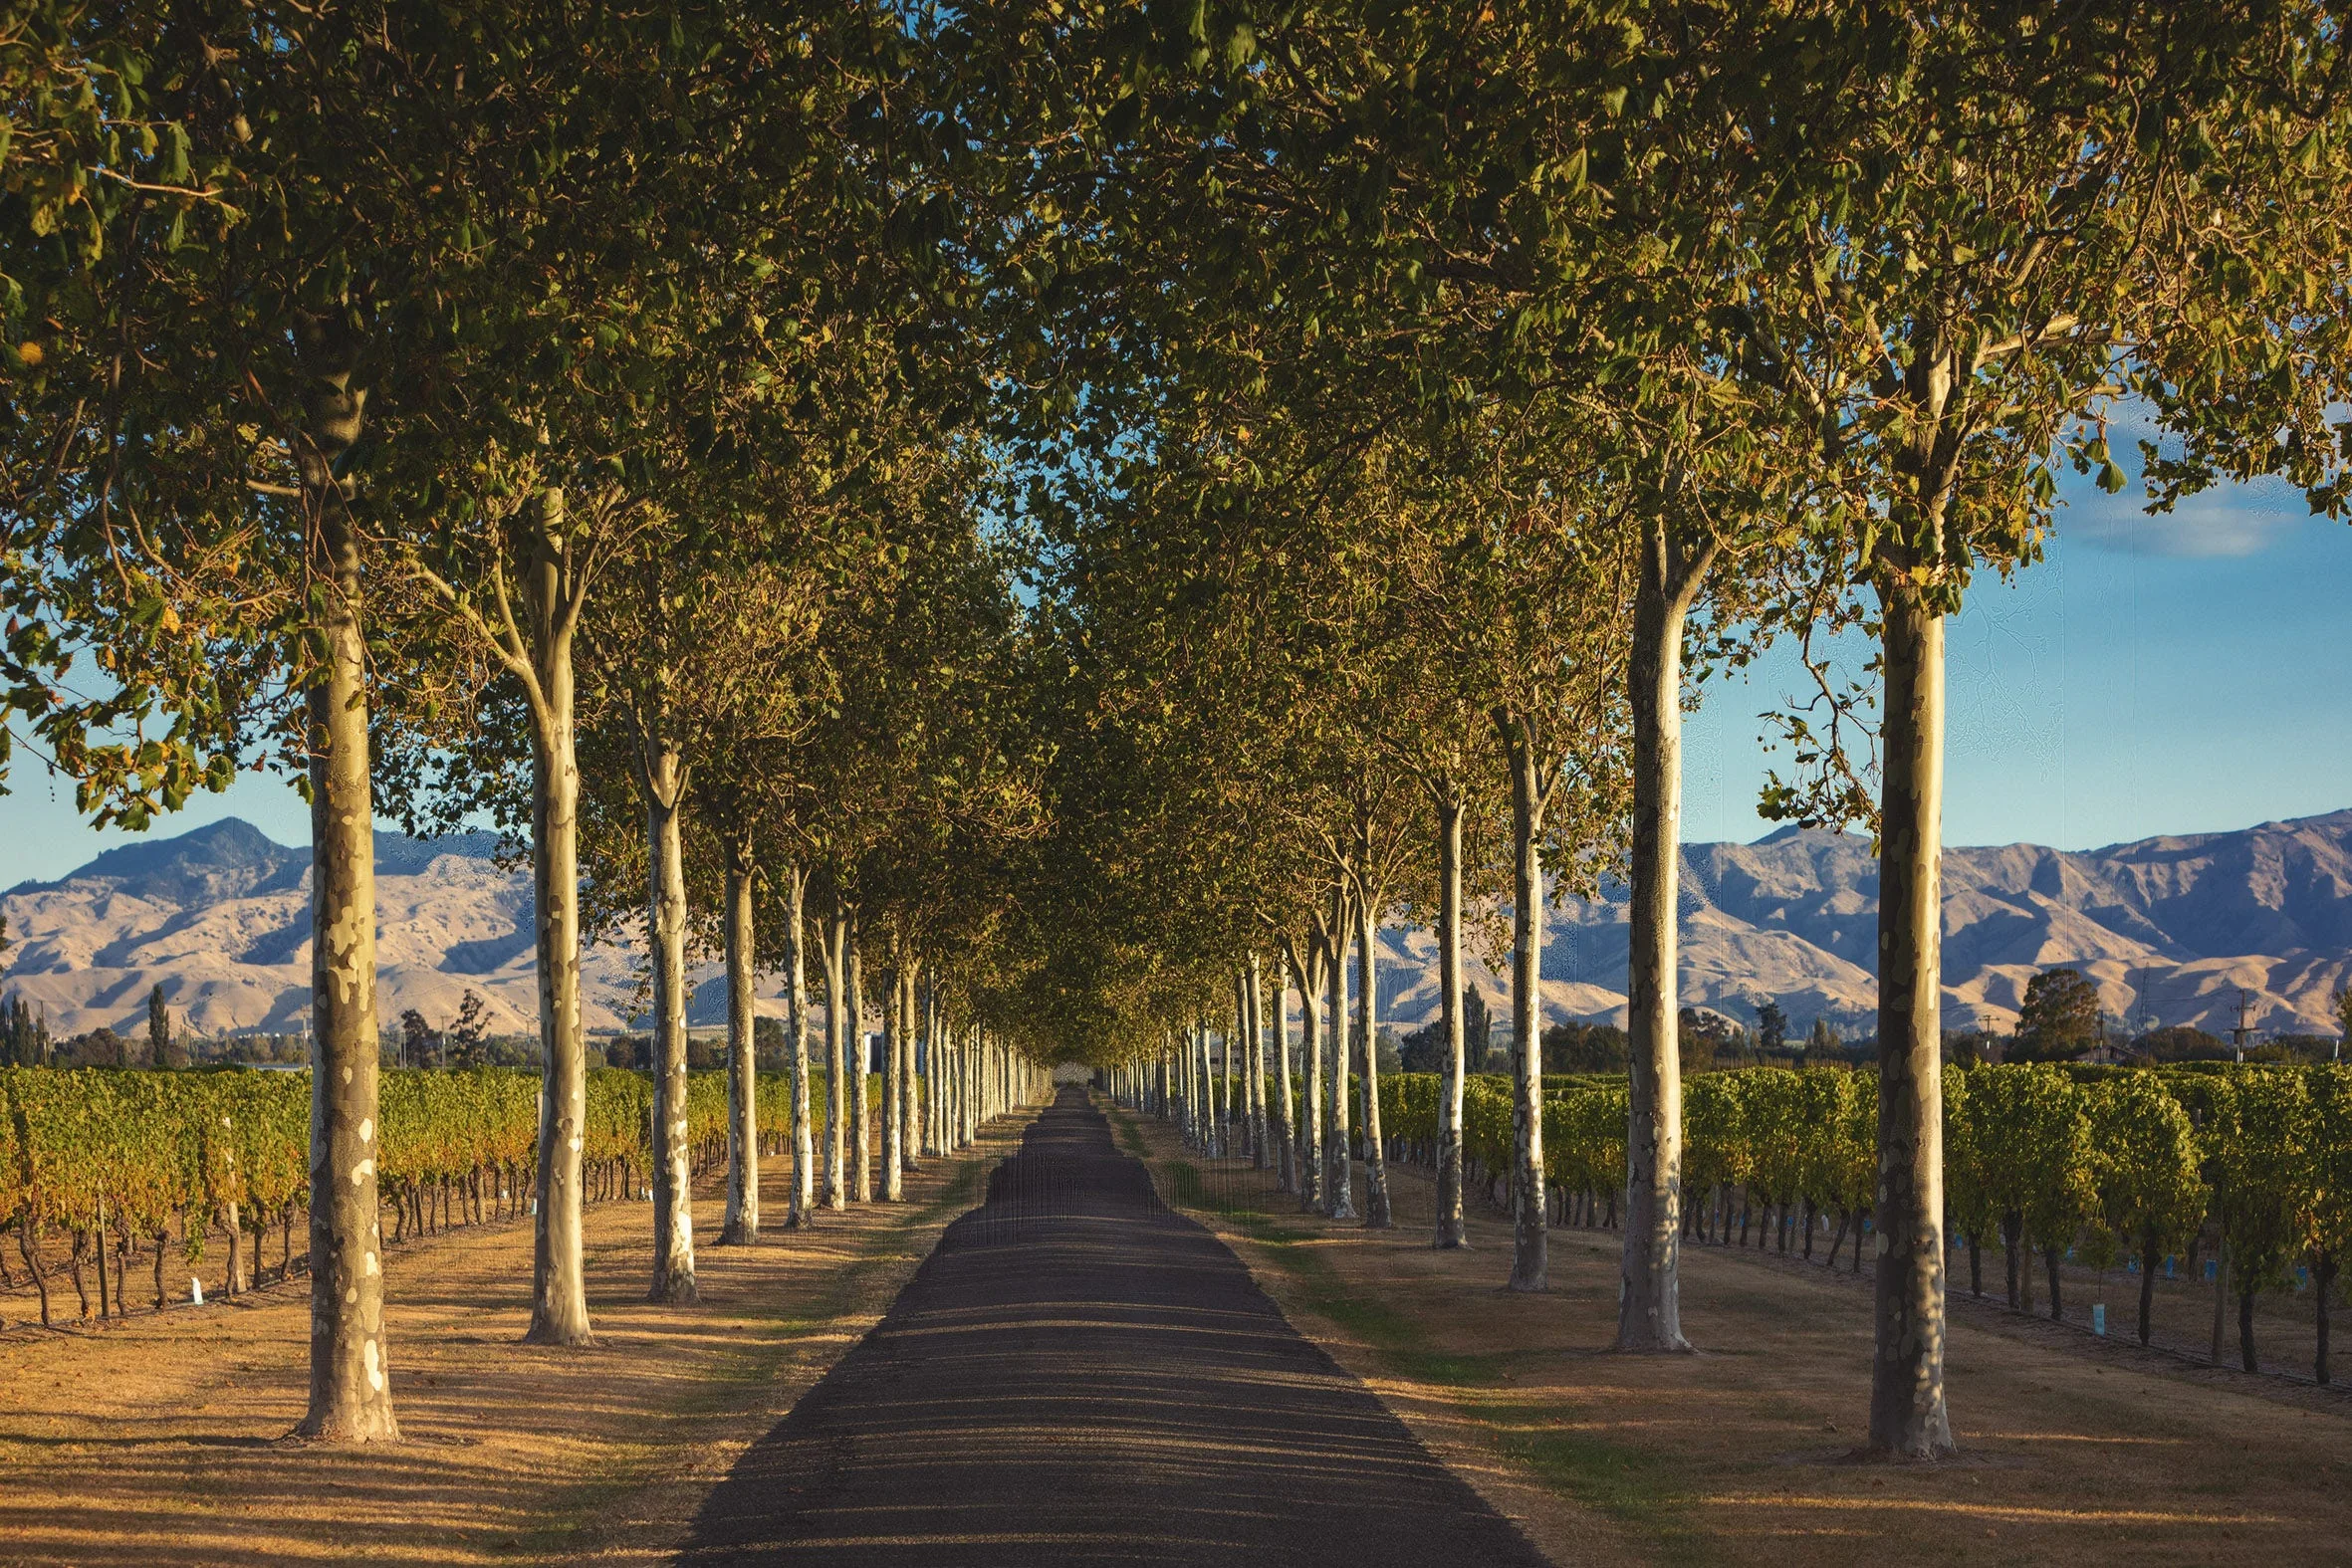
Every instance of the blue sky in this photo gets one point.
(2152, 675)
(2186, 674)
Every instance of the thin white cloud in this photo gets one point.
(2228, 520)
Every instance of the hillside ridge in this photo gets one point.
(2169, 926)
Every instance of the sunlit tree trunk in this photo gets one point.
(1339, 1178)
(1311, 1045)
(861, 1122)
(910, 1104)
(1286, 1167)
(350, 1393)
(1531, 1239)
(741, 1225)
(1452, 1231)
(837, 1086)
(934, 1081)
(663, 778)
(1649, 1305)
(893, 1052)
(559, 1309)
(1376, 1211)
(1254, 1003)
(1198, 1094)
(795, 1001)
(969, 1069)
(1906, 1412)
(1225, 1110)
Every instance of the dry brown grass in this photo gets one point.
(2073, 1450)
(157, 1440)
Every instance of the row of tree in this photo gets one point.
(2254, 1161)
(1445, 394)
(1094, 507)
(560, 419)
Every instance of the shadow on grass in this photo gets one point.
(1622, 1482)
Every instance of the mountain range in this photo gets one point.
(2172, 930)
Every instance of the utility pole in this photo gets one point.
(2238, 1036)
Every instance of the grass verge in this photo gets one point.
(1549, 1439)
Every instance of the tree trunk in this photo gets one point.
(910, 1131)
(1253, 1002)
(1226, 1087)
(1907, 1410)
(2221, 1291)
(1311, 1043)
(973, 1114)
(740, 1224)
(2246, 1329)
(233, 1218)
(1531, 1245)
(1649, 1300)
(663, 778)
(2324, 1280)
(351, 1394)
(2011, 1229)
(2147, 1261)
(1339, 1172)
(1452, 1229)
(862, 1123)
(558, 1310)
(1377, 1215)
(2051, 1256)
(28, 1243)
(1287, 1161)
(105, 1292)
(893, 1104)
(836, 1057)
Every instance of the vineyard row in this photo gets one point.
(2046, 1160)
(106, 1161)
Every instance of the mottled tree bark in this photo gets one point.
(350, 1394)
(910, 1104)
(1649, 1302)
(1906, 1412)
(861, 1121)
(1288, 1166)
(559, 1307)
(1312, 1045)
(663, 776)
(1253, 1004)
(740, 1224)
(1339, 1175)
(1225, 1110)
(837, 1086)
(894, 1053)
(796, 1002)
(1376, 1211)
(1452, 1229)
(1529, 792)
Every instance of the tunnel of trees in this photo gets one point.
(1046, 524)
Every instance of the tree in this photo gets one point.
(1771, 1028)
(418, 1041)
(163, 1050)
(1585, 1047)
(2059, 1019)
(2111, 204)
(466, 1034)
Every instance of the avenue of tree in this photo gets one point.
(1047, 523)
